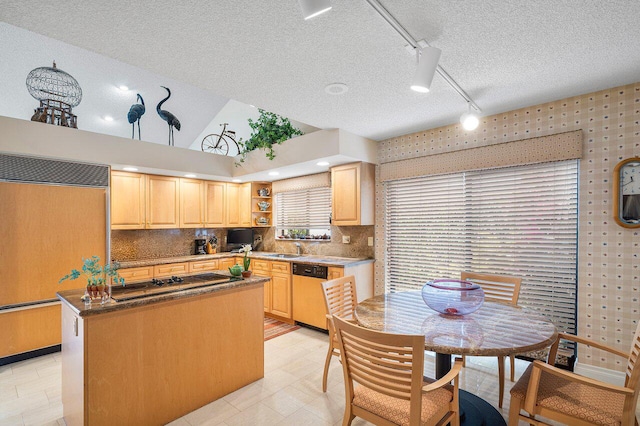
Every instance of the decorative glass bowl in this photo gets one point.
(453, 297)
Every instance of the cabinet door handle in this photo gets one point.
(75, 326)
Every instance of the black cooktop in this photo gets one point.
(156, 287)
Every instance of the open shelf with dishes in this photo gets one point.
(261, 205)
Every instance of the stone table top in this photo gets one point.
(496, 329)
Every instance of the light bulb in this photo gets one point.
(469, 121)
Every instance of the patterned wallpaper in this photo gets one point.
(609, 255)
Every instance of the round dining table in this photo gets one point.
(496, 329)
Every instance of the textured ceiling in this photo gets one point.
(504, 54)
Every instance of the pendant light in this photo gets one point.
(428, 58)
(312, 8)
(469, 120)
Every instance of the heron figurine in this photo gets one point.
(135, 112)
(171, 119)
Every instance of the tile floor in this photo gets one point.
(289, 394)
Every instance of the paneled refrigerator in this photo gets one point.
(52, 214)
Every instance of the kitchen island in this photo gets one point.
(154, 359)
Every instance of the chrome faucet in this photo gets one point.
(299, 249)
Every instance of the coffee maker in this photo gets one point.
(200, 246)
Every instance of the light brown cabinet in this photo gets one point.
(170, 269)
(203, 266)
(352, 194)
(215, 204)
(192, 203)
(333, 273)
(132, 275)
(226, 263)
(163, 202)
(277, 292)
(128, 200)
(281, 294)
(144, 201)
(238, 208)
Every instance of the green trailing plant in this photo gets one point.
(269, 129)
(96, 274)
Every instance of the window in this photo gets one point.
(519, 221)
(304, 214)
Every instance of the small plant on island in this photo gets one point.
(246, 262)
(97, 275)
(267, 130)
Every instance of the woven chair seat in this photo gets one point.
(594, 405)
(435, 405)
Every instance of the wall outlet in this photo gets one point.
(346, 239)
(370, 241)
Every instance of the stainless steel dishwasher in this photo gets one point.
(308, 298)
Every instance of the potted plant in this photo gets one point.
(246, 262)
(267, 130)
(99, 278)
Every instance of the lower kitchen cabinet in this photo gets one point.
(132, 275)
(277, 292)
(226, 263)
(334, 273)
(281, 294)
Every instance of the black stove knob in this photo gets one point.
(170, 281)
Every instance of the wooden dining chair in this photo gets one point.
(340, 299)
(497, 288)
(566, 397)
(390, 388)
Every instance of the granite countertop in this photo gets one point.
(313, 259)
(73, 297)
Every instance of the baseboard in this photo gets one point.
(31, 354)
(603, 374)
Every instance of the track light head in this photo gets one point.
(312, 8)
(469, 120)
(428, 58)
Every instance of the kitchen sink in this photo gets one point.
(283, 255)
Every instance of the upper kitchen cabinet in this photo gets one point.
(215, 204)
(192, 203)
(238, 205)
(144, 201)
(128, 203)
(352, 194)
(163, 202)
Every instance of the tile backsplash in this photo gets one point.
(142, 244)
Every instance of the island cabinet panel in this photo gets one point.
(153, 364)
(163, 202)
(215, 204)
(128, 205)
(192, 203)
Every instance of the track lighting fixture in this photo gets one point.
(312, 8)
(469, 120)
(428, 58)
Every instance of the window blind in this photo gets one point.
(304, 209)
(519, 221)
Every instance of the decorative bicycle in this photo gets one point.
(218, 144)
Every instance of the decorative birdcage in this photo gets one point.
(58, 92)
